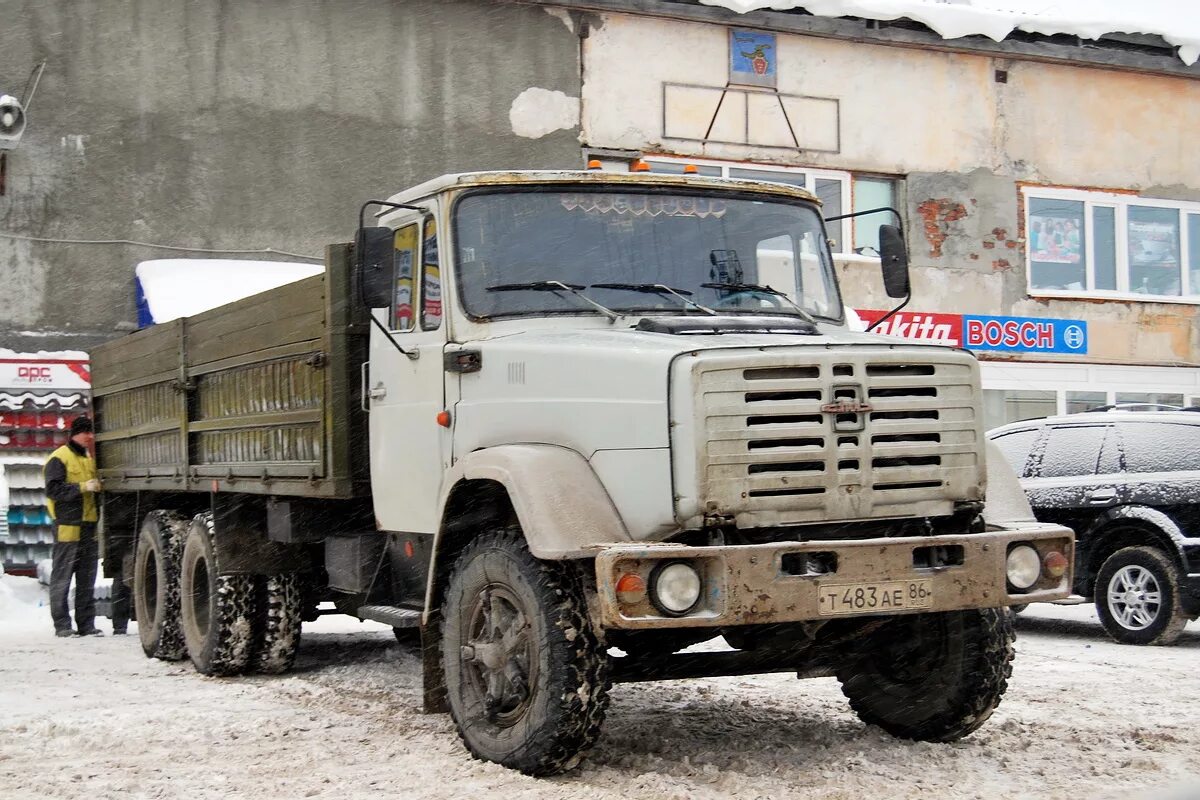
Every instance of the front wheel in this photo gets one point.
(1137, 597)
(931, 677)
(526, 676)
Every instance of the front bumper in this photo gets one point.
(797, 581)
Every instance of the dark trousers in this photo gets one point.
(75, 560)
(120, 597)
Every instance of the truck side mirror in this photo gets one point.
(375, 261)
(894, 259)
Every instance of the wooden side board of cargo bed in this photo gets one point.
(257, 396)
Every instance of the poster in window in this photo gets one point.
(406, 246)
(1056, 237)
(1153, 244)
(431, 310)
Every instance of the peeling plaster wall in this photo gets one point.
(963, 142)
(246, 125)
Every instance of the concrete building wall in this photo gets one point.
(962, 141)
(213, 124)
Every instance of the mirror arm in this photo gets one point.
(899, 219)
(412, 354)
(362, 212)
(886, 316)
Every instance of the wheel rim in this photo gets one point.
(1134, 597)
(200, 596)
(498, 657)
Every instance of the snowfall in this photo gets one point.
(93, 718)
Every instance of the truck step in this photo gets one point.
(391, 615)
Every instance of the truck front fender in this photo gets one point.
(563, 508)
(1006, 500)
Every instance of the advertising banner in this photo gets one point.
(978, 332)
(44, 374)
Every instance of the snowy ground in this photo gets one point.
(1083, 718)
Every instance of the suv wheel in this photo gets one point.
(1137, 597)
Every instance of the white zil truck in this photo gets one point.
(558, 428)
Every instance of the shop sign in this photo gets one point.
(920, 326)
(1025, 334)
(976, 332)
(21, 373)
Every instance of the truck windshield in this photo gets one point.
(728, 253)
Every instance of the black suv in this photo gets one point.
(1128, 483)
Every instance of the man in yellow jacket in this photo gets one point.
(72, 486)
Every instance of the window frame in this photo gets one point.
(426, 265)
(1120, 203)
(845, 241)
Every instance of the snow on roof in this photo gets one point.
(181, 287)
(1176, 21)
(45, 355)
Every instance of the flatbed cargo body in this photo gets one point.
(260, 396)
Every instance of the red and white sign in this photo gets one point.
(918, 325)
(42, 373)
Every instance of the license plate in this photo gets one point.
(864, 598)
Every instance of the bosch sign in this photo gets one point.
(1025, 334)
(1007, 334)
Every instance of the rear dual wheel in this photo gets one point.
(235, 623)
(156, 584)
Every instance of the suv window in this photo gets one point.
(1016, 446)
(1160, 446)
(1072, 450)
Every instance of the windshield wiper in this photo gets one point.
(656, 288)
(754, 287)
(555, 286)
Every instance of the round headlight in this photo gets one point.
(1024, 566)
(676, 587)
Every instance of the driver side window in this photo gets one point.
(407, 242)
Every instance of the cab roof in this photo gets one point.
(466, 180)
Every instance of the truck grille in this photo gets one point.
(862, 433)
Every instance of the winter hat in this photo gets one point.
(81, 425)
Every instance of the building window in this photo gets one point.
(1096, 244)
(871, 192)
(1150, 399)
(1001, 406)
(1079, 402)
(832, 187)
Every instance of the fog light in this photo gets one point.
(631, 589)
(675, 587)
(1055, 564)
(1024, 566)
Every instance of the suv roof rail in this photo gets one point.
(1141, 407)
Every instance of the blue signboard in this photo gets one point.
(752, 57)
(1025, 334)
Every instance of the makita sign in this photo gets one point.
(919, 325)
(978, 332)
